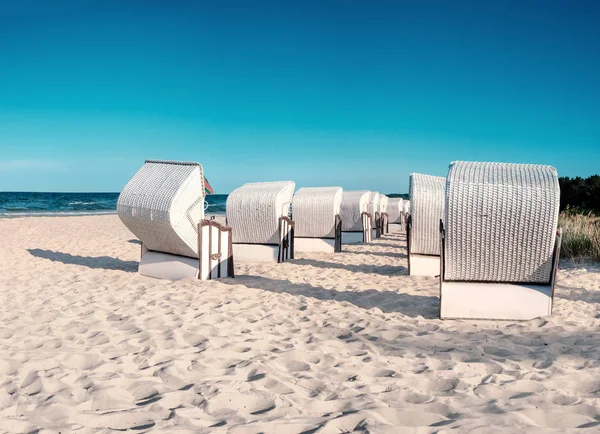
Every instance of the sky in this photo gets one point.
(352, 93)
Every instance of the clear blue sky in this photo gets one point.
(350, 93)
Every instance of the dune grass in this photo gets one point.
(581, 236)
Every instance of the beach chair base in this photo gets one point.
(495, 301)
(352, 237)
(394, 228)
(423, 265)
(256, 252)
(166, 266)
(326, 245)
(215, 257)
(282, 252)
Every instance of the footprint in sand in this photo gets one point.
(417, 398)
(293, 365)
(243, 403)
(278, 387)
(110, 399)
(376, 372)
(556, 420)
(8, 367)
(560, 399)
(82, 361)
(409, 418)
(31, 384)
(123, 420)
(142, 392)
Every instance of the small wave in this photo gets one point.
(54, 214)
(81, 203)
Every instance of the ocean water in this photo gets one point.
(18, 204)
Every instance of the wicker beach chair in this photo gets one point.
(500, 243)
(374, 200)
(316, 214)
(383, 214)
(394, 213)
(258, 214)
(356, 221)
(406, 207)
(163, 206)
(426, 210)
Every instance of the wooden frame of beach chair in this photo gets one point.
(500, 244)
(287, 239)
(216, 253)
(258, 213)
(316, 213)
(163, 206)
(385, 223)
(367, 223)
(355, 228)
(426, 209)
(374, 200)
(405, 213)
(383, 215)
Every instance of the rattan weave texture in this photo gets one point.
(253, 211)
(314, 210)
(426, 210)
(162, 205)
(501, 222)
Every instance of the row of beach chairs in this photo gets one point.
(163, 206)
(488, 231)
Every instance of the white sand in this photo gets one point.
(325, 344)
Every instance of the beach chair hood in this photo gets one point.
(162, 205)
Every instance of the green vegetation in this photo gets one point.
(580, 195)
(580, 208)
(581, 236)
(403, 195)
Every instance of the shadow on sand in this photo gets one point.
(96, 262)
(387, 301)
(388, 270)
(371, 252)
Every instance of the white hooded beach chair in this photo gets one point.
(500, 243)
(383, 214)
(356, 221)
(374, 200)
(316, 214)
(258, 214)
(426, 211)
(394, 213)
(163, 206)
(406, 207)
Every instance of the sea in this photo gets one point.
(21, 204)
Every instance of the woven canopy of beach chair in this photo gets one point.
(501, 222)
(374, 199)
(394, 209)
(314, 210)
(354, 203)
(383, 203)
(253, 211)
(162, 205)
(426, 210)
(406, 206)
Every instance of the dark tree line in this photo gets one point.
(577, 194)
(580, 194)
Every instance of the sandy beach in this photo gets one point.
(322, 344)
